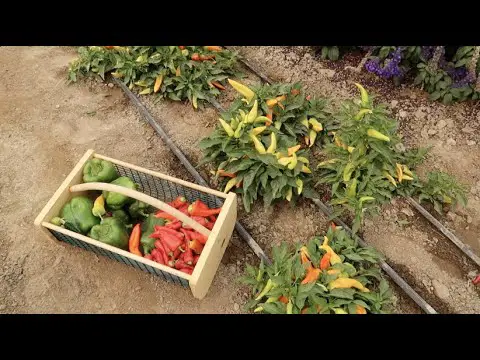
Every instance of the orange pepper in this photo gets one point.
(325, 262)
(312, 275)
(283, 299)
(134, 241)
(360, 310)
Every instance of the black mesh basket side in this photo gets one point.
(120, 258)
(165, 190)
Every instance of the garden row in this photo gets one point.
(447, 73)
(276, 143)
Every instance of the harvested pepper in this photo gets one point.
(162, 251)
(137, 209)
(77, 215)
(199, 208)
(178, 202)
(170, 242)
(164, 215)
(122, 216)
(147, 229)
(134, 241)
(196, 246)
(112, 232)
(98, 170)
(115, 200)
(98, 209)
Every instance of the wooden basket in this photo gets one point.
(154, 189)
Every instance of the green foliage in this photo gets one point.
(140, 66)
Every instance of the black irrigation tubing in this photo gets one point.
(385, 267)
(467, 250)
(190, 168)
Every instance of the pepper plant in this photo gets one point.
(329, 275)
(261, 147)
(364, 167)
(174, 72)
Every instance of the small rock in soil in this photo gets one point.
(468, 130)
(451, 215)
(441, 124)
(262, 228)
(236, 307)
(469, 219)
(138, 288)
(471, 142)
(393, 104)
(472, 274)
(440, 289)
(450, 122)
(233, 269)
(419, 114)
(424, 133)
(451, 141)
(402, 114)
(407, 211)
(110, 85)
(57, 106)
(432, 132)
(3, 307)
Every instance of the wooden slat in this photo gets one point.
(214, 249)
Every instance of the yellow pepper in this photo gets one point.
(284, 161)
(362, 113)
(399, 172)
(273, 143)
(303, 160)
(145, 91)
(304, 122)
(258, 144)
(293, 162)
(306, 170)
(242, 89)
(406, 170)
(346, 283)
(252, 115)
(327, 162)
(363, 94)
(230, 184)
(293, 149)
(334, 258)
(158, 83)
(339, 311)
(299, 183)
(238, 129)
(312, 136)
(377, 135)
(289, 194)
(258, 130)
(390, 178)
(315, 124)
(266, 289)
(99, 207)
(228, 129)
(360, 310)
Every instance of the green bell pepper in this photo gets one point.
(115, 200)
(97, 170)
(112, 232)
(147, 229)
(121, 215)
(138, 209)
(77, 215)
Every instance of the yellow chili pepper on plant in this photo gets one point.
(293, 149)
(258, 130)
(346, 283)
(399, 172)
(266, 289)
(158, 83)
(299, 183)
(362, 113)
(293, 162)
(363, 94)
(252, 115)
(315, 124)
(273, 143)
(390, 178)
(230, 184)
(258, 144)
(312, 136)
(334, 258)
(228, 129)
(289, 194)
(242, 89)
(238, 130)
(377, 135)
(306, 170)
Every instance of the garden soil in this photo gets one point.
(47, 125)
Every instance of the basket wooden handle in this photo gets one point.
(142, 197)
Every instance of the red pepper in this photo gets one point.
(199, 219)
(182, 47)
(476, 281)
(209, 225)
(175, 225)
(188, 257)
(212, 218)
(109, 47)
(195, 57)
(186, 233)
(134, 241)
(180, 264)
(182, 256)
(171, 263)
(187, 271)
(179, 201)
(161, 251)
(207, 57)
(170, 242)
(194, 235)
(163, 215)
(196, 246)
(184, 208)
(333, 226)
(158, 230)
(200, 209)
(308, 98)
(195, 259)
(295, 92)
(148, 256)
(157, 255)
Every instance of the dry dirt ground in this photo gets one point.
(49, 125)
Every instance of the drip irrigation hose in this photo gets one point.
(190, 168)
(385, 267)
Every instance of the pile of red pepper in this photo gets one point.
(178, 246)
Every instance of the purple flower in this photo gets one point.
(466, 80)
